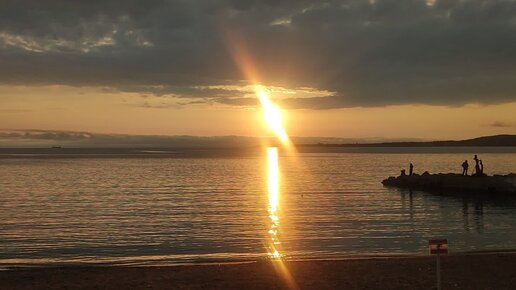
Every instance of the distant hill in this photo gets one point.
(497, 140)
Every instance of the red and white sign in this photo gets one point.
(438, 246)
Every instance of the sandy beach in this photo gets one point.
(461, 271)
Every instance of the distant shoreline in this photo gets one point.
(489, 141)
(402, 145)
(236, 152)
(62, 140)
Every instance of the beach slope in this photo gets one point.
(464, 271)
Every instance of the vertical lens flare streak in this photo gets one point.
(273, 118)
(273, 191)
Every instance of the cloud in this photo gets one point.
(45, 135)
(362, 52)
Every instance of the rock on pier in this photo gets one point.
(456, 183)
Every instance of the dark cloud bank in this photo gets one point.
(71, 139)
(369, 53)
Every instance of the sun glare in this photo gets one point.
(272, 115)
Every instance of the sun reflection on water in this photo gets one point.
(273, 193)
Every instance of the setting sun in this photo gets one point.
(272, 114)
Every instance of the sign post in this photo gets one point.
(438, 247)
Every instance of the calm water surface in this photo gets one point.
(173, 210)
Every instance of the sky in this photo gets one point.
(392, 69)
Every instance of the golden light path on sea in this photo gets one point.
(273, 193)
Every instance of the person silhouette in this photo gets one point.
(411, 169)
(477, 166)
(481, 167)
(465, 166)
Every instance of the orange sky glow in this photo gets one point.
(97, 110)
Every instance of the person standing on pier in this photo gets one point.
(411, 169)
(465, 166)
(477, 166)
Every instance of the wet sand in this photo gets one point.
(462, 271)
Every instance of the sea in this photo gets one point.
(174, 206)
